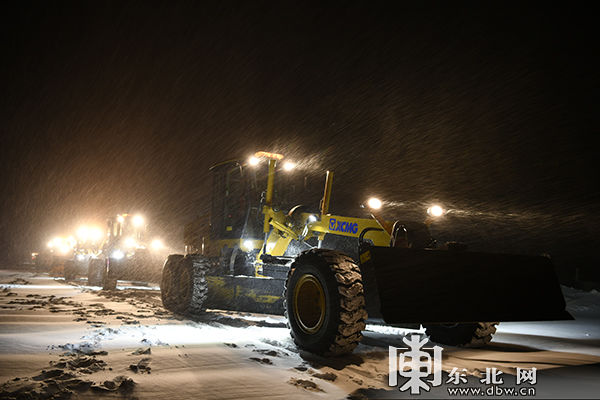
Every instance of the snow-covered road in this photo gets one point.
(60, 340)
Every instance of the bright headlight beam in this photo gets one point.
(83, 233)
(138, 221)
(253, 161)
(64, 249)
(157, 244)
(130, 242)
(288, 165)
(117, 254)
(435, 211)
(247, 245)
(95, 234)
(374, 203)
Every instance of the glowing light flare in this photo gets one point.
(435, 211)
(247, 245)
(95, 234)
(157, 244)
(253, 161)
(120, 219)
(374, 203)
(83, 233)
(117, 254)
(61, 244)
(64, 248)
(130, 242)
(138, 221)
(289, 166)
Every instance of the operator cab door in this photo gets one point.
(229, 202)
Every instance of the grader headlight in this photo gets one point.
(117, 254)
(83, 233)
(130, 242)
(435, 211)
(374, 203)
(157, 244)
(64, 249)
(289, 166)
(138, 221)
(247, 245)
(95, 234)
(260, 155)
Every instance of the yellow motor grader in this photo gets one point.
(266, 247)
(55, 256)
(126, 254)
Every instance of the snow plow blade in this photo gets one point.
(420, 286)
(245, 293)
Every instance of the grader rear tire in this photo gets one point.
(109, 280)
(183, 285)
(169, 282)
(476, 334)
(96, 269)
(70, 270)
(324, 302)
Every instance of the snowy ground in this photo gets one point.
(60, 340)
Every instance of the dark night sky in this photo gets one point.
(113, 106)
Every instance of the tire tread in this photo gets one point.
(351, 321)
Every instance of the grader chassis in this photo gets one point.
(329, 273)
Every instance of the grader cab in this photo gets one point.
(269, 247)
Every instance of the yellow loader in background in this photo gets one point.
(267, 247)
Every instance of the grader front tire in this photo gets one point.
(324, 302)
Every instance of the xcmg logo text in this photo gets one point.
(343, 226)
